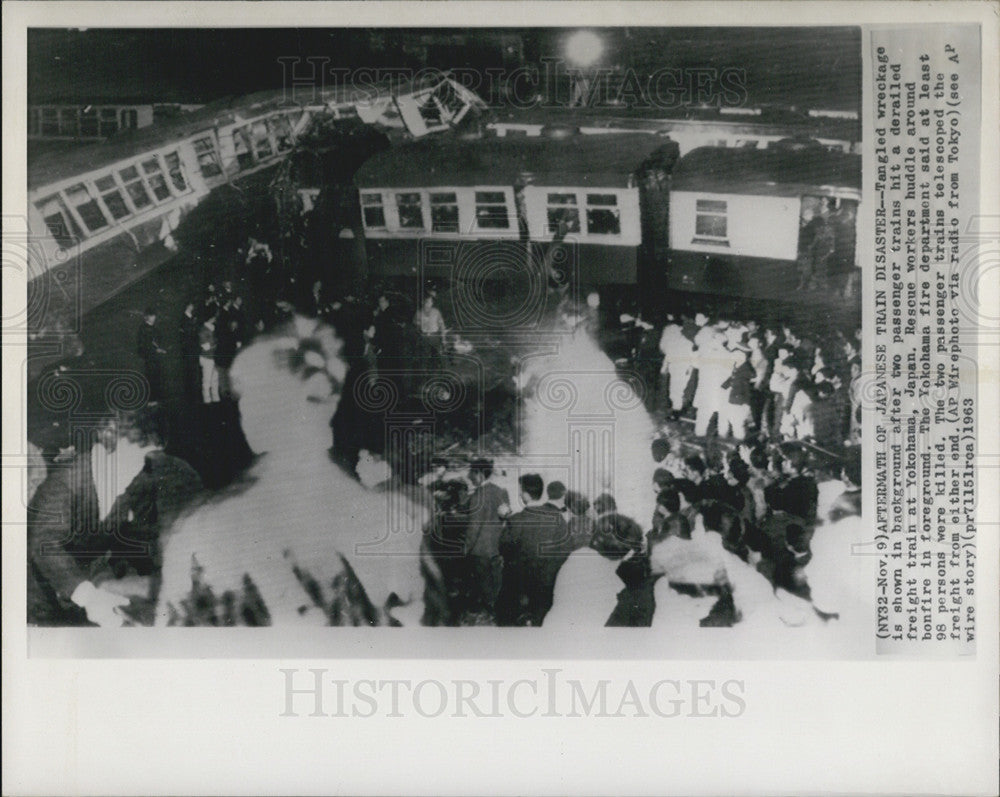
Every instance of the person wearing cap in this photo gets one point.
(489, 504)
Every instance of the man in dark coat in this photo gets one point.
(489, 504)
(227, 343)
(619, 537)
(737, 411)
(62, 516)
(190, 332)
(388, 336)
(149, 349)
(533, 549)
(149, 505)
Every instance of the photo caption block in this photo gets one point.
(926, 117)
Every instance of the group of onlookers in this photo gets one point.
(563, 560)
(758, 381)
(212, 328)
(566, 558)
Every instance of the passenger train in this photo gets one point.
(521, 181)
(622, 209)
(113, 200)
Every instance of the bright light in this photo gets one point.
(584, 48)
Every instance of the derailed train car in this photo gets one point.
(618, 210)
(460, 208)
(104, 206)
(778, 222)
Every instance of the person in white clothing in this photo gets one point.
(782, 380)
(206, 359)
(715, 365)
(678, 356)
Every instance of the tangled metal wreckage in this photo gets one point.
(102, 215)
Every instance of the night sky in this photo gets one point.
(808, 67)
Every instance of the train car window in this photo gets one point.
(449, 99)
(108, 121)
(50, 122)
(491, 210)
(59, 222)
(411, 213)
(444, 212)
(130, 119)
(262, 141)
(430, 111)
(86, 206)
(208, 160)
(241, 143)
(372, 210)
(710, 219)
(176, 170)
(603, 216)
(281, 129)
(135, 187)
(112, 197)
(562, 209)
(69, 122)
(156, 180)
(88, 123)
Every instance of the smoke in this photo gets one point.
(585, 425)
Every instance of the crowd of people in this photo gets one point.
(564, 560)
(763, 401)
(760, 382)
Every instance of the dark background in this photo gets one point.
(804, 67)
